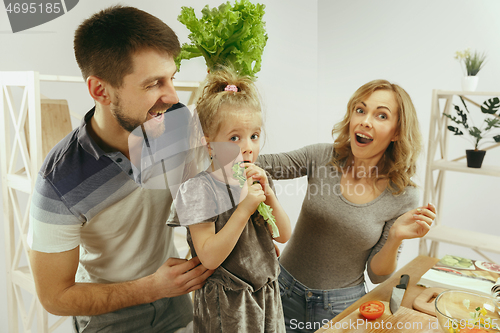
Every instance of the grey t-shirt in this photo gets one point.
(333, 239)
(203, 198)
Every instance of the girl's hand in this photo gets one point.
(257, 174)
(254, 196)
(414, 223)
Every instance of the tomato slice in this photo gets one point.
(372, 309)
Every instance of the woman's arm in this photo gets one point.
(213, 248)
(296, 163)
(412, 224)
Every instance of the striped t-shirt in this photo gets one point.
(88, 198)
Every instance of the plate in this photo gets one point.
(449, 261)
(487, 266)
(471, 267)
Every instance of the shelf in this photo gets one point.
(474, 240)
(78, 79)
(19, 182)
(23, 278)
(486, 241)
(488, 170)
(466, 93)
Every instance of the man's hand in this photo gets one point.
(54, 275)
(180, 276)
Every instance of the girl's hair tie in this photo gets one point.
(231, 87)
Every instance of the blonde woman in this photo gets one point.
(360, 205)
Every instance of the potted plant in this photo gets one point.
(473, 63)
(228, 35)
(479, 134)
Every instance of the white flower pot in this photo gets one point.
(469, 83)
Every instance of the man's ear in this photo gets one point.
(98, 90)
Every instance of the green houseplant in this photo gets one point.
(473, 62)
(230, 35)
(477, 135)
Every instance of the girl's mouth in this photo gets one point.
(364, 139)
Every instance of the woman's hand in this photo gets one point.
(414, 223)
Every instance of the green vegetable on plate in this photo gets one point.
(455, 261)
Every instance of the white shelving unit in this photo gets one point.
(21, 156)
(438, 164)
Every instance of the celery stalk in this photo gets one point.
(263, 209)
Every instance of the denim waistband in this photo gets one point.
(294, 285)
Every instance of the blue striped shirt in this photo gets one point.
(88, 198)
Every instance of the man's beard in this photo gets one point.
(153, 128)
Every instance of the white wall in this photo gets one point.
(317, 55)
(48, 49)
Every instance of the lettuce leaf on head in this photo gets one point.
(228, 35)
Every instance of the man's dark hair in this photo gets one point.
(104, 43)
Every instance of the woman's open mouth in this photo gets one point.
(363, 139)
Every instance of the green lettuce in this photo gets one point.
(232, 36)
(265, 210)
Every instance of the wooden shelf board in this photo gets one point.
(61, 78)
(18, 182)
(466, 93)
(23, 278)
(472, 239)
(488, 170)
(188, 85)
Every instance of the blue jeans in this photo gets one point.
(166, 315)
(307, 310)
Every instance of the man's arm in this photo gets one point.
(54, 275)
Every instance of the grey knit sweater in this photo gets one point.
(333, 239)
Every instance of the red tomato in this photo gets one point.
(372, 309)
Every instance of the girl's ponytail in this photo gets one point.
(225, 89)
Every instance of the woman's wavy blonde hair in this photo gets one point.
(398, 164)
(215, 100)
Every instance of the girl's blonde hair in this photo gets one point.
(398, 164)
(216, 100)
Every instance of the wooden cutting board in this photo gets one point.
(425, 301)
(404, 320)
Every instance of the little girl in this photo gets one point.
(224, 229)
